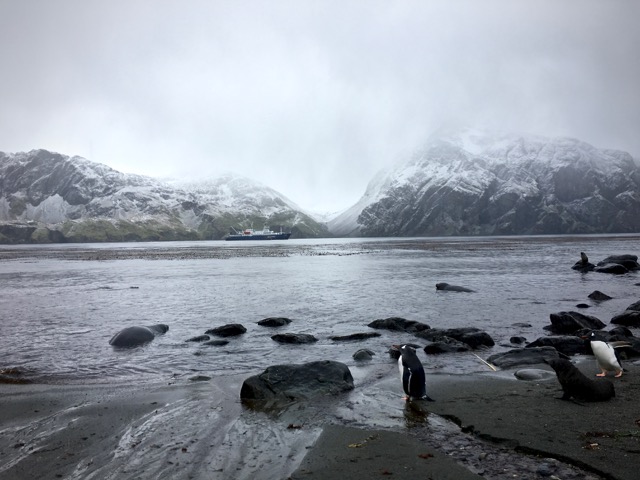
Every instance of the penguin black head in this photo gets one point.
(593, 337)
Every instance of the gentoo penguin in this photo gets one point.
(412, 374)
(605, 355)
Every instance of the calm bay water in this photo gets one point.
(60, 304)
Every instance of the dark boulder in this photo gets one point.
(628, 318)
(446, 345)
(216, 343)
(570, 322)
(230, 330)
(473, 337)
(614, 268)
(630, 262)
(476, 339)
(619, 258)
(533, 374)
(446, 287)
(524, 356)
(634, 306)
(274, 322)
(294, 338)
(136, 336)
(287, 383)
(621, 331)
(598, 296)
(363, 354)
(399, 324)
(354, 337)
(199, 338)
(567, 344)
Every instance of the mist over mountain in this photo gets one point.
(462, 183)
(477, 183)
(49, 197)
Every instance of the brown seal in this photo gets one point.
(578, 386)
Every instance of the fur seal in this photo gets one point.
(412, 374)
(578, 386)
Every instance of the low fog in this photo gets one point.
(309, 97)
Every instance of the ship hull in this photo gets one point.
(269, 236)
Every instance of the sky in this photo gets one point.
(311, 98)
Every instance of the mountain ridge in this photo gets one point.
(467, 182)
(475, 183)
(50, 197)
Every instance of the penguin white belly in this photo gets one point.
(405, 376)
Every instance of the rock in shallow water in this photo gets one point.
(230, 330)
(570, 322)
(136, 336)
(363, 354)
(452, 288)
(285, 383)
(399, 324)
(295, 338)
(274, 322)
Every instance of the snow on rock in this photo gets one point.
(87, 201)
(477, 183)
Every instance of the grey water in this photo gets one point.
(58, 310)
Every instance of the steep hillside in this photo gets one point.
(473, 183)
(48, 197)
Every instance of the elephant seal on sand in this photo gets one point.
(135, 336)
(452, 288)
(578, 386)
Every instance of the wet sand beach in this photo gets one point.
(510, 429)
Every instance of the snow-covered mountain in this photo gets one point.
(476, 183)
(48, 197)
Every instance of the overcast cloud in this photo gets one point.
(309, 97)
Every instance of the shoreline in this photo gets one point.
(201, 430)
